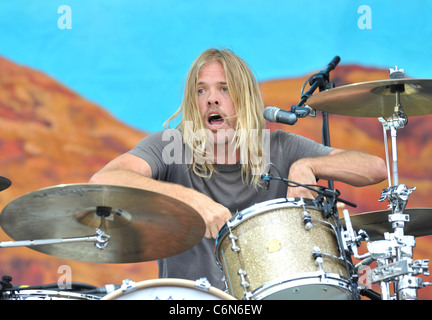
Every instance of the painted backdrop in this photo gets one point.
(83, 81)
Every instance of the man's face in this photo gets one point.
(215, 104)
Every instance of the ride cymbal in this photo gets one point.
(142, 225)
(376, 98)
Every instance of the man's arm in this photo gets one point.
(355, 168)
(129, 170)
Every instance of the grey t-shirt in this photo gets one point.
(168, 163)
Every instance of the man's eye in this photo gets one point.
(224, 89)
(200, 91)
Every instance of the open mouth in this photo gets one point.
(215, 118)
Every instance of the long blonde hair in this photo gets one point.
(248, 103)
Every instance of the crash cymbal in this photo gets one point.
(376, 223)
(142, 225)
(376, 98)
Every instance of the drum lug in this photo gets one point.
(242, 273)
(318, 257)
(233, 238)
(307, 220)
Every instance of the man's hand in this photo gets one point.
(301, 172)
(214, 214)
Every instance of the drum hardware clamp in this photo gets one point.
(128, 286)
(401, 272)
(351, 239)
(393, 270)
(203, 284)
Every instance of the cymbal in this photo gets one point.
(376, 223)
(142, 225)
(375, 98)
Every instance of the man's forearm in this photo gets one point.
(349, 166)
(133, 179)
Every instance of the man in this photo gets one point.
(214, 159)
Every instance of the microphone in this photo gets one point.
(274, 114)
(333, 64)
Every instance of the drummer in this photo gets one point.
(214, 158)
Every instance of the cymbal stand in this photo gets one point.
(394, 254)
(100, 241)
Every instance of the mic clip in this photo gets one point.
(301, 112)
(267, 177)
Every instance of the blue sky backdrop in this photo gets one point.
(131, 56)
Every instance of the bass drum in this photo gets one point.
(168, 289)
(283, 249)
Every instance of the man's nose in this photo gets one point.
(213, 100)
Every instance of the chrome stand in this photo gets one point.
(394, 254)
(100, 241)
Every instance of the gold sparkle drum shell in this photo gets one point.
(169, 289)
(268, 251)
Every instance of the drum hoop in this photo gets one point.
(275, 204)
(330, 279)
(52, 293)
(169, 282)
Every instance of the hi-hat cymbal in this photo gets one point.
(376, 223)
(376, 98)
(142, 225)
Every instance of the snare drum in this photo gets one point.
(282, 249)
(168, 289)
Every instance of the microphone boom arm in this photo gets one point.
(318, 80)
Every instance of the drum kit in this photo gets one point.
(281, 249)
